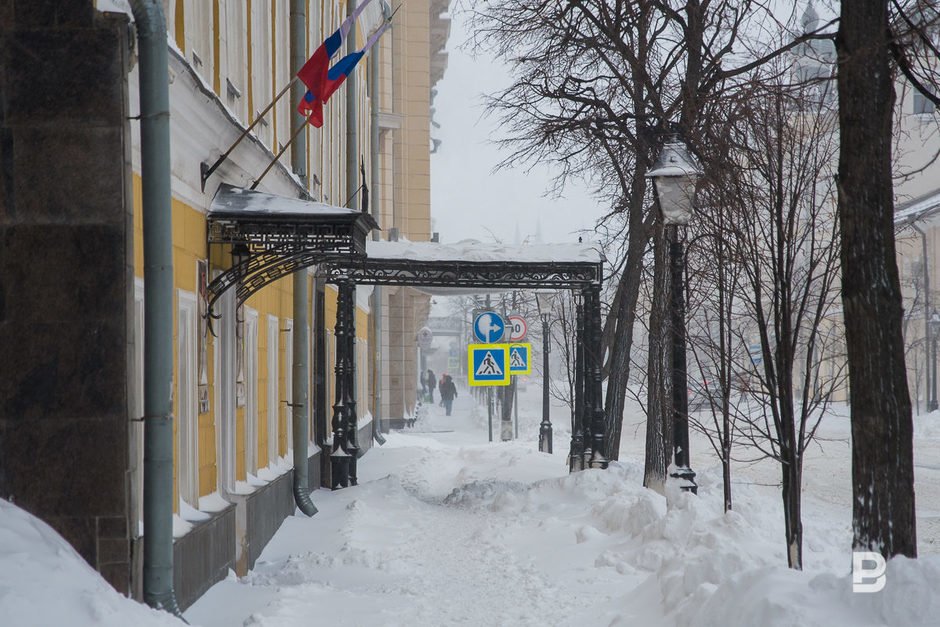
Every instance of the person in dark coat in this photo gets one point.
(432, 384)
(448, 393)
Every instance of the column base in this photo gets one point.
(545, 438)
(339, 470)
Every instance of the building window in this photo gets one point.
(288, 383)
(187, 414)
(234, 41)
(251, 391)
(282, 73)
(262, 90)
(136, 431)
(224, 394)
(922, 104)
(272, 388)
(200, 38)
(362, 374)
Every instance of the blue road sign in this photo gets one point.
(488, 327)
(488, 364)
(520, 361)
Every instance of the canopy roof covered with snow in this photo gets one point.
(918, 209)
(474, 250)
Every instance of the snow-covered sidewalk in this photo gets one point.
(448, 529)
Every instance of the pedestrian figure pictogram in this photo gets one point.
(488, 364)
(520, 361)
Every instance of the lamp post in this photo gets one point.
(674, 176)
(932, 384)
(544, 302)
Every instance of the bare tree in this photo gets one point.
(786, 238)
(595, 84)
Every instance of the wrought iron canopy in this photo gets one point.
(278, 235)
(470, 266)
(464, 274)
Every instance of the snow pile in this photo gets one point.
(445, 528)
(43, 581)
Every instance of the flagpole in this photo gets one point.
(299, 130)
(207, 171)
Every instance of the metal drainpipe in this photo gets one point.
(300, 406)
(352, 120)
(158, 305)
(376, 213)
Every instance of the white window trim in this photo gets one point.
(289, 382)
(251, 391)
(200, 38)
(225, 394)
(187, 399)
(273, 400)
(234, 56)
(261, 51)
(282, 74)
(136, 430)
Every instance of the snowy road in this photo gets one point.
(446, 529)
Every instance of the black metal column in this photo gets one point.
(576, 454)
(545, 428)
(352, 419)
(680, 384)
(594, 413)
(339, 457)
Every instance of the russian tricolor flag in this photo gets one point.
(322, 80)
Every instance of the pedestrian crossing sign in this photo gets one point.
(520, 359)
(488, 364)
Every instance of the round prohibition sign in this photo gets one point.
(517, 328)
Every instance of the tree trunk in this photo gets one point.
(628, 291)
(882, 462)
(659, 387)
(792, 514)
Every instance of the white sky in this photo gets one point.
(468, 199)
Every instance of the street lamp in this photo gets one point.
(674, 176)
(932, 384)
(544, 302)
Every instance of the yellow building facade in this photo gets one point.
(229, 59)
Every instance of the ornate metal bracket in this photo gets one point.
(273, 236)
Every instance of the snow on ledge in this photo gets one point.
(474, 250)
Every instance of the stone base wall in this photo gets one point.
(203, 556)
(66, 275)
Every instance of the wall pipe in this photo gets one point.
(352, 120)
(377, 338)
(300, 406)
(154, 87)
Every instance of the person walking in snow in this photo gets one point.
(432, 383)
(448, 393)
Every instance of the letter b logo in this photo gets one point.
(868, 572)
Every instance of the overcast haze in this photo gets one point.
(469, 199)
